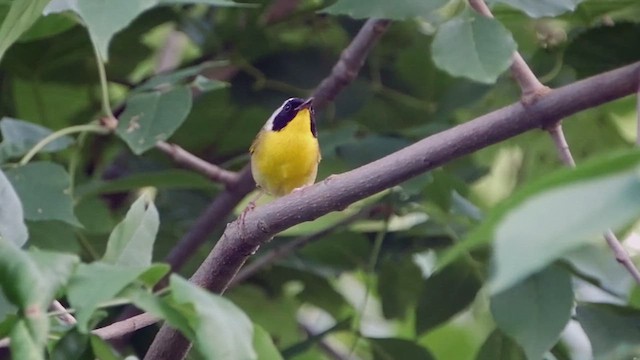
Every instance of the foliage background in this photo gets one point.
(367, 288)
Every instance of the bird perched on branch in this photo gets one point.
(286, 153)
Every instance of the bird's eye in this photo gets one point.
(287, 107)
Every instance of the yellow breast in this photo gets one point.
(284, 160)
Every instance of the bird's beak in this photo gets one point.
(305, 105)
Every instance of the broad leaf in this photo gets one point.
(572, 215)
(28, 339)
(103, 18)
(131, 242)
(263, 344)
(541, 8)
(384, 9)
(30, 280)
(498, 346)
(446, 293)
(152, 117)
(12, 226)
(473, 46)
(72, 346)
(43, 188)
(22, 14)
(222, 330)
(397, 287)
(535, 311)
(95, 283)
(18, 137)
(613, 330)
(102, 350)
(542, 240)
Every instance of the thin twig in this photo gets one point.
(529, 84)
(287, 249)
(350, 62)
(621, 254)
(64, 316)
(125, 327)
(560, 142)
(328, 348)
(187, 159)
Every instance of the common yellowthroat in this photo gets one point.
(286, 153)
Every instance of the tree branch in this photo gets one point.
(529, 84)
(125, 327)
(187, 159)
(350, 62)
(240, 241)
(287, 249)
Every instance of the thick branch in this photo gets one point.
(214, 215)
(287, 249)
(351, 61)
(187, 159)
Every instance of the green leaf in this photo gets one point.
(384, 9)
(541, 8)
(31, 279)
(613, 330)
(602, 195)
(102, 350)
(103, 18)
(43, 188)
(446, 293)
(12, 226)
(152, 117)
(590, 170)
(222, 330)
(498, 346)
(22, 14)
(47, 26)
(18, 137)
(204, 84)
(535, 311)
(95, 283)
(162, 308)
(72, 346)
(131, 242)
(263, 344)
(25, 344)
(473, 46)
(397, 287)
(388, 349)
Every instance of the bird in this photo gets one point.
(285, 154)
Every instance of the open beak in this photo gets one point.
(306, 104)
